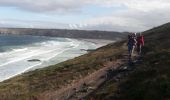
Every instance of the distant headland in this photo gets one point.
(64, 33)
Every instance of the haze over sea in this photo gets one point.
(16, 51)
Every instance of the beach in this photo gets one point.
(39, 52)
(98, 42)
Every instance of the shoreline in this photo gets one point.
(97, 43)
(60, 75)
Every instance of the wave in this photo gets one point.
(24, 53)
(19, 50)
(16, 61)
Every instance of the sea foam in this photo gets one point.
(49, 52)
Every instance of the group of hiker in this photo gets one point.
(135, 42)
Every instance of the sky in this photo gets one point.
(107, 15)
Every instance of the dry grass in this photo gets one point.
(31, 85)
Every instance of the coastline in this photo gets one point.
(49, 80)
(66, 55)
(99, 42)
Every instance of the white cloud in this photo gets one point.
(30, 24)
(44, 5)
(138, 15)
(74, 5)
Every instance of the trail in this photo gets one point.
(87, 85)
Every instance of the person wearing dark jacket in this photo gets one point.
(131, 43)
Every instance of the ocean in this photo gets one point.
(19, 54)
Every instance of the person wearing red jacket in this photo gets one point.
(140, 43)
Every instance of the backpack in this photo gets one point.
(132, 40)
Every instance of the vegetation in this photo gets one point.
(64, 33)
(151, 79)
(32, 85)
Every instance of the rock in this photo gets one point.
(34, 60)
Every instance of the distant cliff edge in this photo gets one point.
(64, 33)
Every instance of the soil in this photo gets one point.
(87, 85)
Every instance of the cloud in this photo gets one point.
(58, 6)
(138, 15)
(76, 5)
(31, 24)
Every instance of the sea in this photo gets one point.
(22, 53)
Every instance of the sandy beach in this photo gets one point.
(98, 42)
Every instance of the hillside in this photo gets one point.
(64, 33)
(150, 79)
(33, 85)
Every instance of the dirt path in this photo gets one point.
(88, 84)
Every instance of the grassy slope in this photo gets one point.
(151, 79)
(31, 85)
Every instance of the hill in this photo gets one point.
(64, 33)
(33, 85)
(149, 80)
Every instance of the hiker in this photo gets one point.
(131, 43)
(140, 43)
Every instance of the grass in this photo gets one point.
(32, 85)
(151, 79)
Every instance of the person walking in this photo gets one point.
(140, 43)
(134, 42)
(131, 43)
